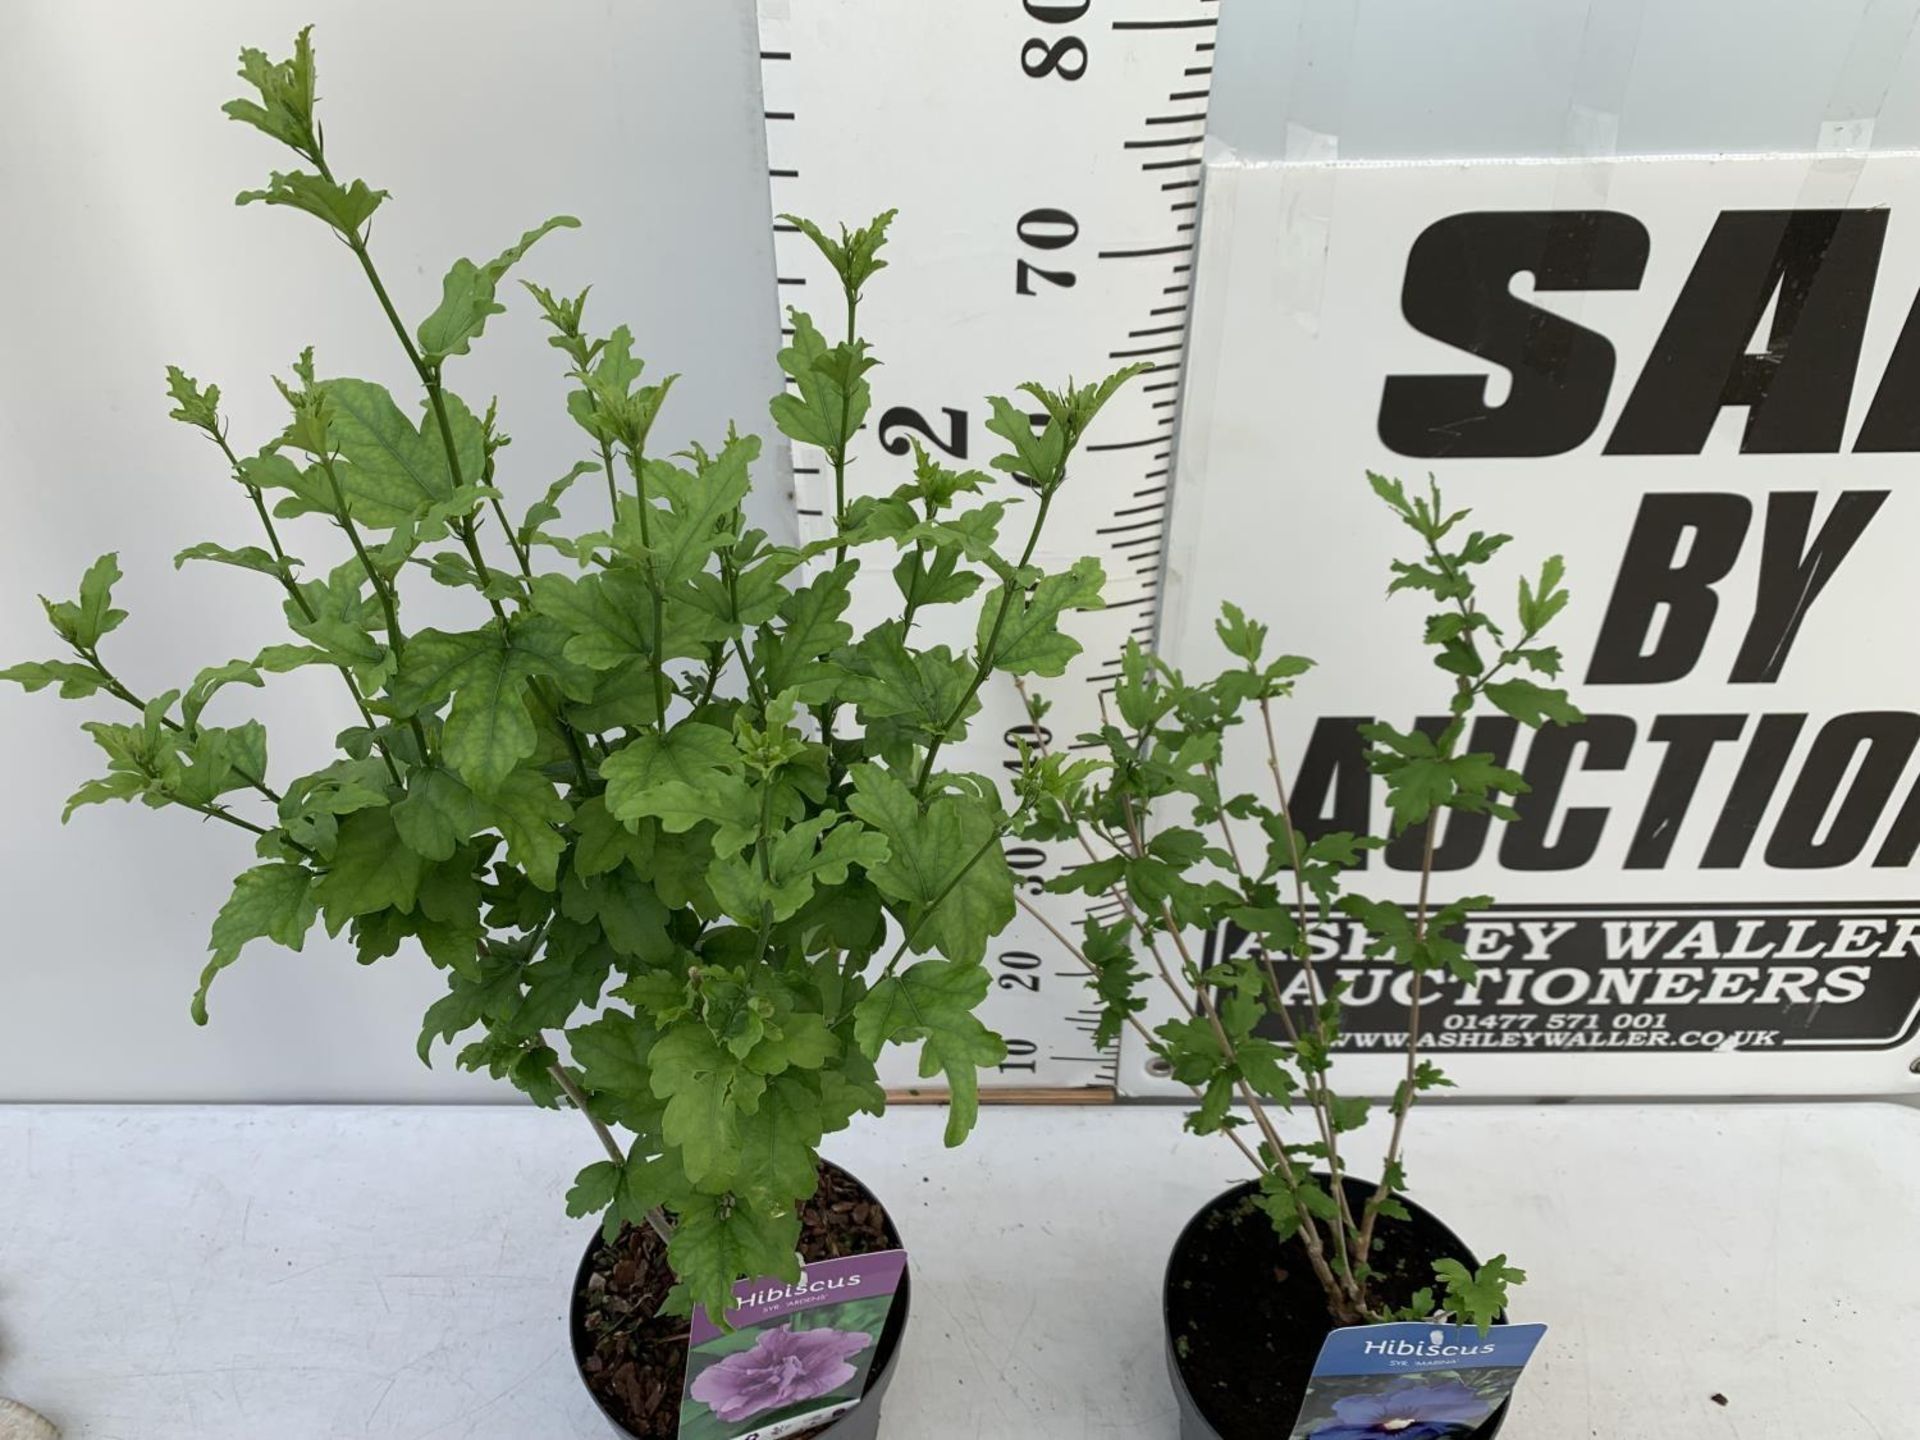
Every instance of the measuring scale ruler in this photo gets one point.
(1045, 160)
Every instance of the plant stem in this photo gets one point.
(638, 464)
(1374, 1201)
(839, 455)
(985, 665)
(657, 1219)
(382, 586)
(1322, 1101)
(1283, 1164)
(285, 576)
(766, 864)
(1066, 942)
(126, 696)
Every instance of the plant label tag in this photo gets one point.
(797, 1355)
(1412, 1381)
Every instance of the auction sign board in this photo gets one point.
(1697, 379)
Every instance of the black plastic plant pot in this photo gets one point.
(1245, 1316)
(860, 1423)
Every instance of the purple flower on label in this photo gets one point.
(1410, 1412)
(784, 1367)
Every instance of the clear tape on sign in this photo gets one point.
(1845, 139)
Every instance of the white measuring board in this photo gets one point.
(1045, 159)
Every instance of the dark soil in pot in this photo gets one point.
(1246, 1316)
(634, 1360)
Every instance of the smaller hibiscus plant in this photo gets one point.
(679, 840)
(1172, 851)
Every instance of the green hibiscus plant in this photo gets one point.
(1168, 849)
(678, 839)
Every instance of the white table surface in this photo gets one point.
(252, 1273)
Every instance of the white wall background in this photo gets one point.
(121, 252)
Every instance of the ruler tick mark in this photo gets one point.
(1181, 185)
(1188, 95)
(777, 114)
(1181, 249)
(1189, 164)
(1159, 144)
(1198, 119)
(776, 54)
(1209, 23)
(1144, 350)
(1156, 330)
(784, 174)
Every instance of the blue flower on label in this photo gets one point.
(1442, 1411)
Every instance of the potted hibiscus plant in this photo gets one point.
(679, 840)
(1266, 1271)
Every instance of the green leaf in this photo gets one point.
(1478, 1297)
(1040, 456)
(311, 808)
(947, 854)
(795, 865)
(346, 208)
(855, 256)
(528, 811)
(76, 682)
(718, 1241)
(438, 814)
(933, 1001)
(1534, 705)
(372, 870)
(811, 627)
(1031, 641)
(594, 1188)
(716, 797)
(686, 753)
(830, 395)
(779, 1141)
(627, 910)
(247, 557)
(611, 1053)
(707, 1090)
(210, 682)
(270, 902)
(467, 296)
(699, 506)
(608, 619)
(395, 469)
(547, 507)
(888, 680)
(489, 729)
(284, 110)
(82, 623)
(604, 843)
